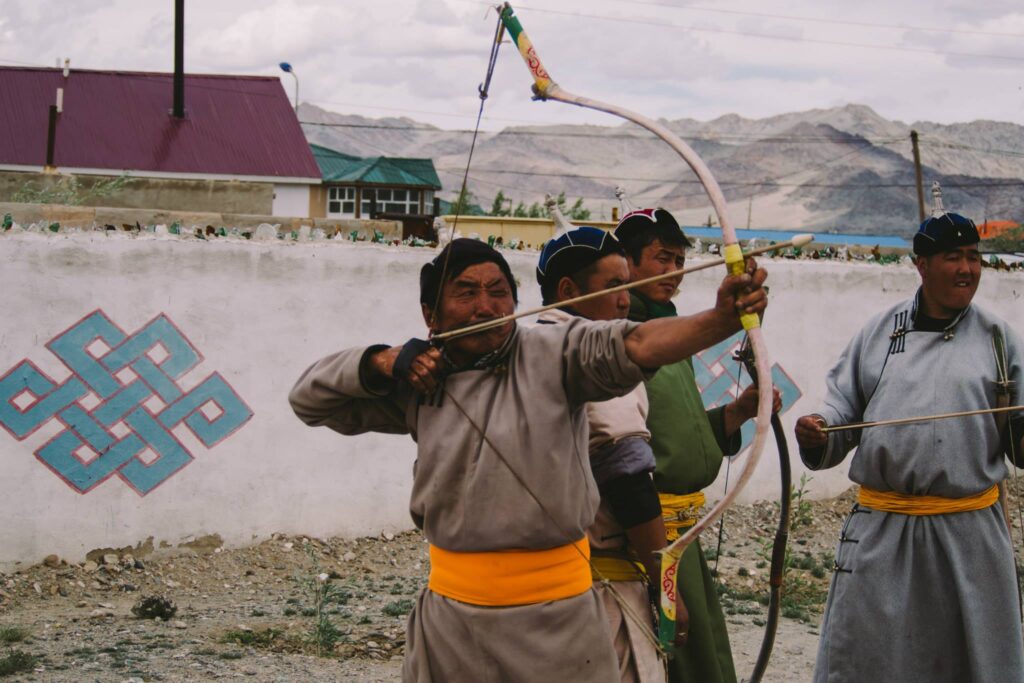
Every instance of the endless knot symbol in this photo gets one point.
(718, 377)
(120, 404)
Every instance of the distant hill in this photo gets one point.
(845, 169)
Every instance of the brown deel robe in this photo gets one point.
(465, 498)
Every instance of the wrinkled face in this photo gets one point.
(477, 294)
(610, 271)
(949, 280)
(657, 259)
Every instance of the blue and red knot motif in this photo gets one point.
(120, 405)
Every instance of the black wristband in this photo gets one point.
(410, 350)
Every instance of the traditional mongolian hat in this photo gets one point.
(642, 219)
(570, 253)
(944, 230)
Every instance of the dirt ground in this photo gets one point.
(251, 613)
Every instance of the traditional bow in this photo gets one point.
(546, 89)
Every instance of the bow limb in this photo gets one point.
(778, 566)
(545, 88)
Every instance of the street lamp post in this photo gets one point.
(287, 68)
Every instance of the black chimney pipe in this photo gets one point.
(179, 59)
(51, 135)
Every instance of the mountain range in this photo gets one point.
(845, 169)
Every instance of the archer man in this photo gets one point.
(924, 587)
(502, 486)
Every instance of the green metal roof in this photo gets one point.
(337, 167)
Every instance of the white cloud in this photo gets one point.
(379, 57)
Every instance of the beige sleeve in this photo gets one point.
(331, 393)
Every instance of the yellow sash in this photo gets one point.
(511, 577)
(616, 568)
(906, 504)
(680, 512)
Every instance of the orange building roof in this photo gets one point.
(990, 229)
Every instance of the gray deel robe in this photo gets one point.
(921, 598)
(465, 498)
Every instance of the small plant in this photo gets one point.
(17, 662)
(324, 634)
(262, 638)
(13, 634)
(155, 607)
(802, 512)
(398, 608)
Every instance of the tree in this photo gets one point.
(520, 211)
(498, 206)
(464, 203)
(536, 211)
(578, 213)
(1010, 241)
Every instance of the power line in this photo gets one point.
(818, 20)
(727, 183)
(767, 36)
(712, 137)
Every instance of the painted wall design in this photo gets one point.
(120, 405)
(720, 378)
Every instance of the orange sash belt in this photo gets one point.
(511, 577)
(906, 504)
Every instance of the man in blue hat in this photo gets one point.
(689, 443)
(628, 529)
(924, 587)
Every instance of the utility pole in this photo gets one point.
(917, 174)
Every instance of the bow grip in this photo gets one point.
(734, 261)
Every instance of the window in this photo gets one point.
(341, 201)
(392, 200)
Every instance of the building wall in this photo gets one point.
(221, 196)
(26, 214)
(200, 342)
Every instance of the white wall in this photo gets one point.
(291, 201)
(259, 313)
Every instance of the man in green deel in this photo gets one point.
(689, 443)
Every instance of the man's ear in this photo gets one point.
(921, 263)
(566, 289)
(428, 317)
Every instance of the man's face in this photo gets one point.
(479, 293)
(658, 259)
(949, 280)
(610, 271)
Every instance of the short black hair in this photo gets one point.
(455, 258)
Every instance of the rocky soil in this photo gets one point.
(251, 613)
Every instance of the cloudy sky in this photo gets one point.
(944, 60)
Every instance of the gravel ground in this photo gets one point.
(250, 613)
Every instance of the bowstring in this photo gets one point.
(463, 198)
(626, 608)
(728, 467)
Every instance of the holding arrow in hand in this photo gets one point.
(924, 586)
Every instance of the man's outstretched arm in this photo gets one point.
(669, 340)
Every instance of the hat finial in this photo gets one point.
(937, 208)
(562, 224)
(624, 203)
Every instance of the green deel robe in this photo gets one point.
(689, 443)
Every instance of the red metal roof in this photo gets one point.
(118, 120)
